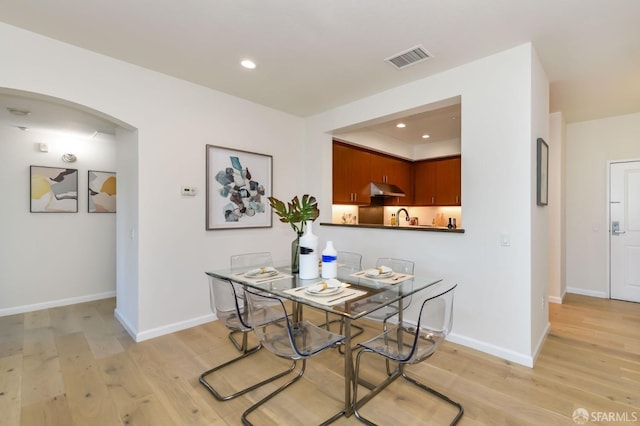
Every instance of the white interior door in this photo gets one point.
(624, 230)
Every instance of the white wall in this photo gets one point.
(166, 289)
(437, 149)
(378, 142)
(539, 308)
(128, 292)
(174, 120)
(494, 299)
(590, 145)
(556, 207)
(51, 259)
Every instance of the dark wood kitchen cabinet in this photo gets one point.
(395, 171)
(391, 170)
(355, 168)
(424, 183)
(448, 181)
(437, 182)
(434, 182)
(351, 175)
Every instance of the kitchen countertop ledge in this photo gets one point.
(398, 228)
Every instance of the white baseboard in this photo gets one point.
(509, 355)
(126, 324)
(592, 293)
(498, 351)
(56, 303)
(540, 343)
(171, 328)
(556, 300)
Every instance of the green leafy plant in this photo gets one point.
(297, 211)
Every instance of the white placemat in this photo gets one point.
(261, 280)
(395, 278)
(334, 299)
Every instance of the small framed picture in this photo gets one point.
(543, 173)
(102, 192)
(54, 190)
(238, 185)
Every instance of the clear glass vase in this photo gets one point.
(295, 254)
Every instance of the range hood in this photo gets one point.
(379, 189)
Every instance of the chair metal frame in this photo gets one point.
(290, 330)
(354, 266)
(393, 310)
(239, 324)
(414, 356)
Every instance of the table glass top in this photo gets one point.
(361, 295)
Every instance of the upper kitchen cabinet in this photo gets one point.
(433, 182)
(437, 182)
(424, 183)
(395, 171)
(448, 181)
(351, 175)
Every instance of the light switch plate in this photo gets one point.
(505, 240)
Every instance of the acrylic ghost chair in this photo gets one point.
(227, 300)
(285, 338)
(348, 263)
(410, 344)
(399, 266)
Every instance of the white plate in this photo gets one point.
(375, 272)
(269, 271)
(333, 286)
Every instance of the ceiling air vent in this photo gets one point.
(409, 57)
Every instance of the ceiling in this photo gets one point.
(37, 114)
(315, 55)
(437, 124)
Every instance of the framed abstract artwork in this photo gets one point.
(102, 192)
(54, 190)
(542, 173)
(238, 185)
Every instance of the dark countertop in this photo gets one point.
(428, 228)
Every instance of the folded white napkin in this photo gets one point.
(380, 270)
(262, 270)
(330, 284)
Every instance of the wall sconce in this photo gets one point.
(69, 157)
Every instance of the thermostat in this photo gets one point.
(189, 191)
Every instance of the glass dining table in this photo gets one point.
(359, 295)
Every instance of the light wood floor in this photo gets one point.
(76, 365)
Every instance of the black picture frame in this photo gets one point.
(542, 197)
(53, 190)
(101, 188)
(238, 186)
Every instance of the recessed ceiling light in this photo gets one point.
(401, 125)
(247, 63)
(425, 136)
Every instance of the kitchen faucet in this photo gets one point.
(398, 215)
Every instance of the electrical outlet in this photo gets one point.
(544, 302)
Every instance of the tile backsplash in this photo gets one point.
(426, 215)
